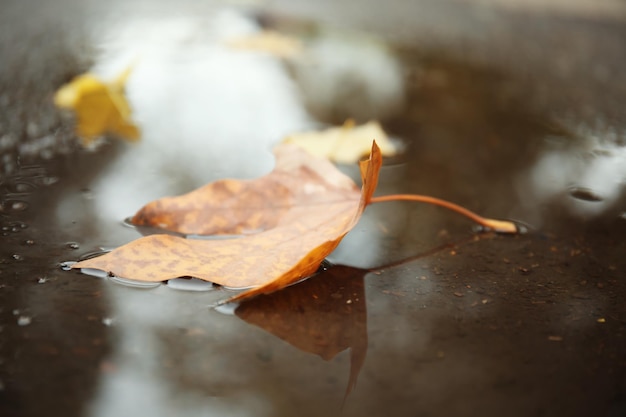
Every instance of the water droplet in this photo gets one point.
(49, 180)
(72, 245)
(584, 194)
(22, 188)
(14, 227)
(190, 284)
(522, 229)
(18, 205)
(13, 205)
(66, 266)
(29, 242)
(23, 320)
(42, 280)
(18, 257)
(325, 266)
(108, 321)
(476, 228)
(227, 309)
(134, 283)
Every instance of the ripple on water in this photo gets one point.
(585, 194)
(21, 187)
(10, 206)
(24, 320)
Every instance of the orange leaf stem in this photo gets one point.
(500, 226)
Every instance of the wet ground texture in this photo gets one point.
(469, 324)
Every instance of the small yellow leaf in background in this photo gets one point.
(269, 41)
(100, 107)
(346, 144)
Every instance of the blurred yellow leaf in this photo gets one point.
(346, 144)
(100, 107)
(268, 41)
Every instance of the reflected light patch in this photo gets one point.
(587, 179)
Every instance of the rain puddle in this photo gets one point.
(415, 313)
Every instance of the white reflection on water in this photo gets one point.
(587, 177)
(170, 359)
(205, 111)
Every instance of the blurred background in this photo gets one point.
(514, 109)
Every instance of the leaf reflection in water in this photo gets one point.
(323, 316)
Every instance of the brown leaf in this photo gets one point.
(298, 186)
(304, 207)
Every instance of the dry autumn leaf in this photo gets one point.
(100, 107)
(304, 208)
(297, 215)
(296, 189)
